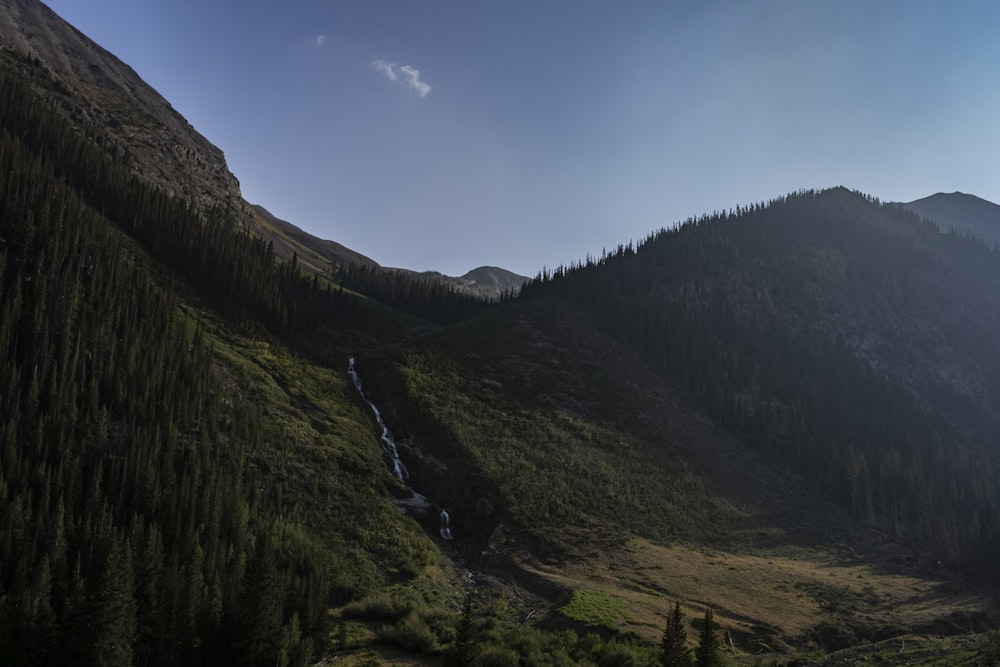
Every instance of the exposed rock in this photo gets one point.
(91, 85)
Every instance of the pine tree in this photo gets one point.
(463, 649)
(674, 651)
(707, 653)
(260, 604)
(110, 614)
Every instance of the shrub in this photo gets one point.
(991, 654)
(391, 605)
(411, 633)
(497, 657)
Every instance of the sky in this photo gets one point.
(446, 135)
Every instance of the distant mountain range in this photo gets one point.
(966, 214)
(322, 257)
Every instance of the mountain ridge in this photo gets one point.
(961, 212)
(327, 258)
(97, 87)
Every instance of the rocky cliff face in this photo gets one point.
(92, 85)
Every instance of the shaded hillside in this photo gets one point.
(575, 463)
(836, 333)
(175, 487)
(965, 214)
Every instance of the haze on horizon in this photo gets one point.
(451, 135)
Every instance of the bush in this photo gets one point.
(388, 606)
(991, 654)
(411, 633)
(619, 656)
(497, 657)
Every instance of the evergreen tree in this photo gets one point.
(707, 652)
(111, 609)
(463, 649)
(260, 605)
(674, 651)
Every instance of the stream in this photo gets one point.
(445, 526)
(388, 444)
(418, 502)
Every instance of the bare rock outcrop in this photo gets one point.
(92, 85)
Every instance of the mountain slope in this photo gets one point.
(728, 397)
(803, 392)
(95, 86)
(966, 214)
(90, 85)
(318, 256)
(175, 487)
(836, 333)
(495, 279)
(329, 258)
(486, 282)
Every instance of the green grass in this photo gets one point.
(321, 460)
(595, 608)
(553, 468)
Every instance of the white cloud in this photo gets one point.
(320, 40)
(406, 75)
(412, 76)
(385, 68)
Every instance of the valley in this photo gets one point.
(226, 441)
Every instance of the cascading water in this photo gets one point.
(388, 444)
(417, 503)
(445, 526)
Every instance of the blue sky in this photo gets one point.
(522, 134)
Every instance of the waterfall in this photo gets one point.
(416, 502)
(388, 444)
(445, 526)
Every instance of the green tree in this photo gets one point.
(673, 648)
(260, 606)
(707, 652)
(111, 610)
(463, 649)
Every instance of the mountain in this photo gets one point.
(494, 278)
(314, 254)
(818, 372)
(485, 282)
(329, 257)
(966, 214)
(91, 85)
(784, 414)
